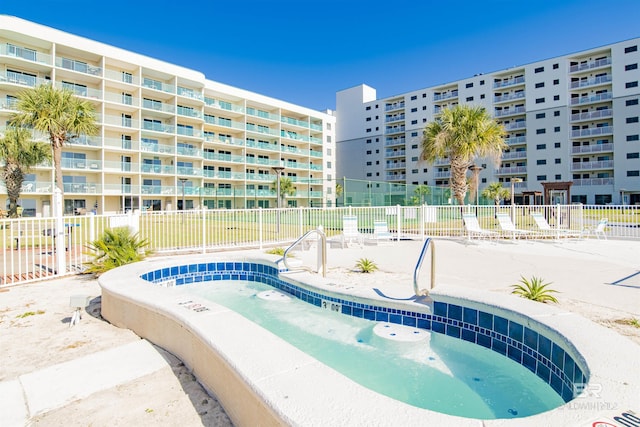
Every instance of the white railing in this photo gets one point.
(29, 253)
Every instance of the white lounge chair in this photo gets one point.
(547, 230)
(473, 228)
(599, 229)
(381, 232)
(509, 228)
(350, 231)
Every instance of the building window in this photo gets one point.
(539, 70)
(482, 96)
(414, 133)
(633, 137)
(414, 159)
(368, 163)
(368, 141)
(424, 120)
(539, 100)
(556, 129)
(368, 108)
(377, 162)
(414, 122)
(556, 81)
(558, 161)
(633, 155)
(368, 130)
(631, 102)
(556, 113)
(369, 174)
(539, 85)
(631, 67)
(632, 119)
(414, 110)
(541, 162)
(633, 173)
(468, 85)
(377, 128)
(556, 145)
(469, 98)
(541, 177)
(556, 97)
(368, 151)
(368, 119)
(414, 146)
(541, 146)
(424, 108)
(414, 170)
(540, 131)
(481, 82)
(424, 95)
(556, 66)
(425, 170)
(629, 85)
(631, 49)
(540, 115)
(414, 97)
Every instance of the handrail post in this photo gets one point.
(416, 271)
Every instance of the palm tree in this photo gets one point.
(496, 192)
(58, 113)
(339, 191)
(462, 133)
(420, 191)
(286, 187)
(19, 153)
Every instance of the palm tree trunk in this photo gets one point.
(57, 163)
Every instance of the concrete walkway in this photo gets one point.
(55, 386)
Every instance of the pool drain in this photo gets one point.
(395, 332)
(273, 296)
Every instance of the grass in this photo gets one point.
(631, 321)
(366, 265)
(29, 313)
(534, 289)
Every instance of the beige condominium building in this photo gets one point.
(570, 120)
(168, 136)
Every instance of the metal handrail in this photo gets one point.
(322, 248)
(416, 272)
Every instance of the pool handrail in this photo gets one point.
(322, 248)
(416, 271)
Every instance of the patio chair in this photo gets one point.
(350, 231)
(599, 229)
(509, 228)
(547, 230)
(473, 228)
(381, 232)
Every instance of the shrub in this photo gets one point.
(114, 248)
(366, 265)
(534, 289)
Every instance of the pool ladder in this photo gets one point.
(322, 252)
(416, 272)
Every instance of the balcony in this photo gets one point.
(582, 133)
(189, 93)
(394, 106)
(515, 140)
(514, 155)
(395, 118)
(511, 170)
(520, 124)
(446, 95)
(593, 181)
(394, 141)
(593, 148)
(509, 82)
(283, 119)
(22, 79)
(157, 127)
(394, 129)
(157, 85)
(158, 106)
(508, 97)
(582, 100)
(602, 164)
(590, 65)
(594, 81)
(14, 51)
(592, 115)
(442, 161)
(78, 66)
(509, 112)
(396, 165)
(443, 175)
(395, 153)
(398, 177)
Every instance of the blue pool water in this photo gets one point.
(440, 373)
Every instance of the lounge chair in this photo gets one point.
(473, 228)
(547, 230)
(381, 232)
(599, 229)
(350, 231)
(509, 228)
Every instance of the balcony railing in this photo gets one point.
(589, 65)
(591, 99)
(591, 115)
(509, 112)
(591, 82)
(514, 155)
(78, 66)
(593, 181)
(593, 148)
(511, 170)
(516, 140)
(508, 97)
(602, 164)
(394, 141)
(520, 124)
(32, 55)
(394, 129)
(447, 95)
(510, 82)
(604, 130)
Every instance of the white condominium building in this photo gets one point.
(168, 138)
(571, 120)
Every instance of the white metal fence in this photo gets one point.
(29, 252)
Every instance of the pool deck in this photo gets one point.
(593, 277)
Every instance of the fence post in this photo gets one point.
(204, 229)
(300, 225)
(260, 228)
(399, 219)
(60, 246)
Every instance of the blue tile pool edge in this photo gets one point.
(558, 364)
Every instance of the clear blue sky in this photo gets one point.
(304, 51)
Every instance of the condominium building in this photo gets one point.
(572, 119)
(168, 138)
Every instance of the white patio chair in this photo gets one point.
(350, 231)
(381, 232)
(509, 228)
(547, 230)
(473, 228)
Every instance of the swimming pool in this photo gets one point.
(248, 367)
